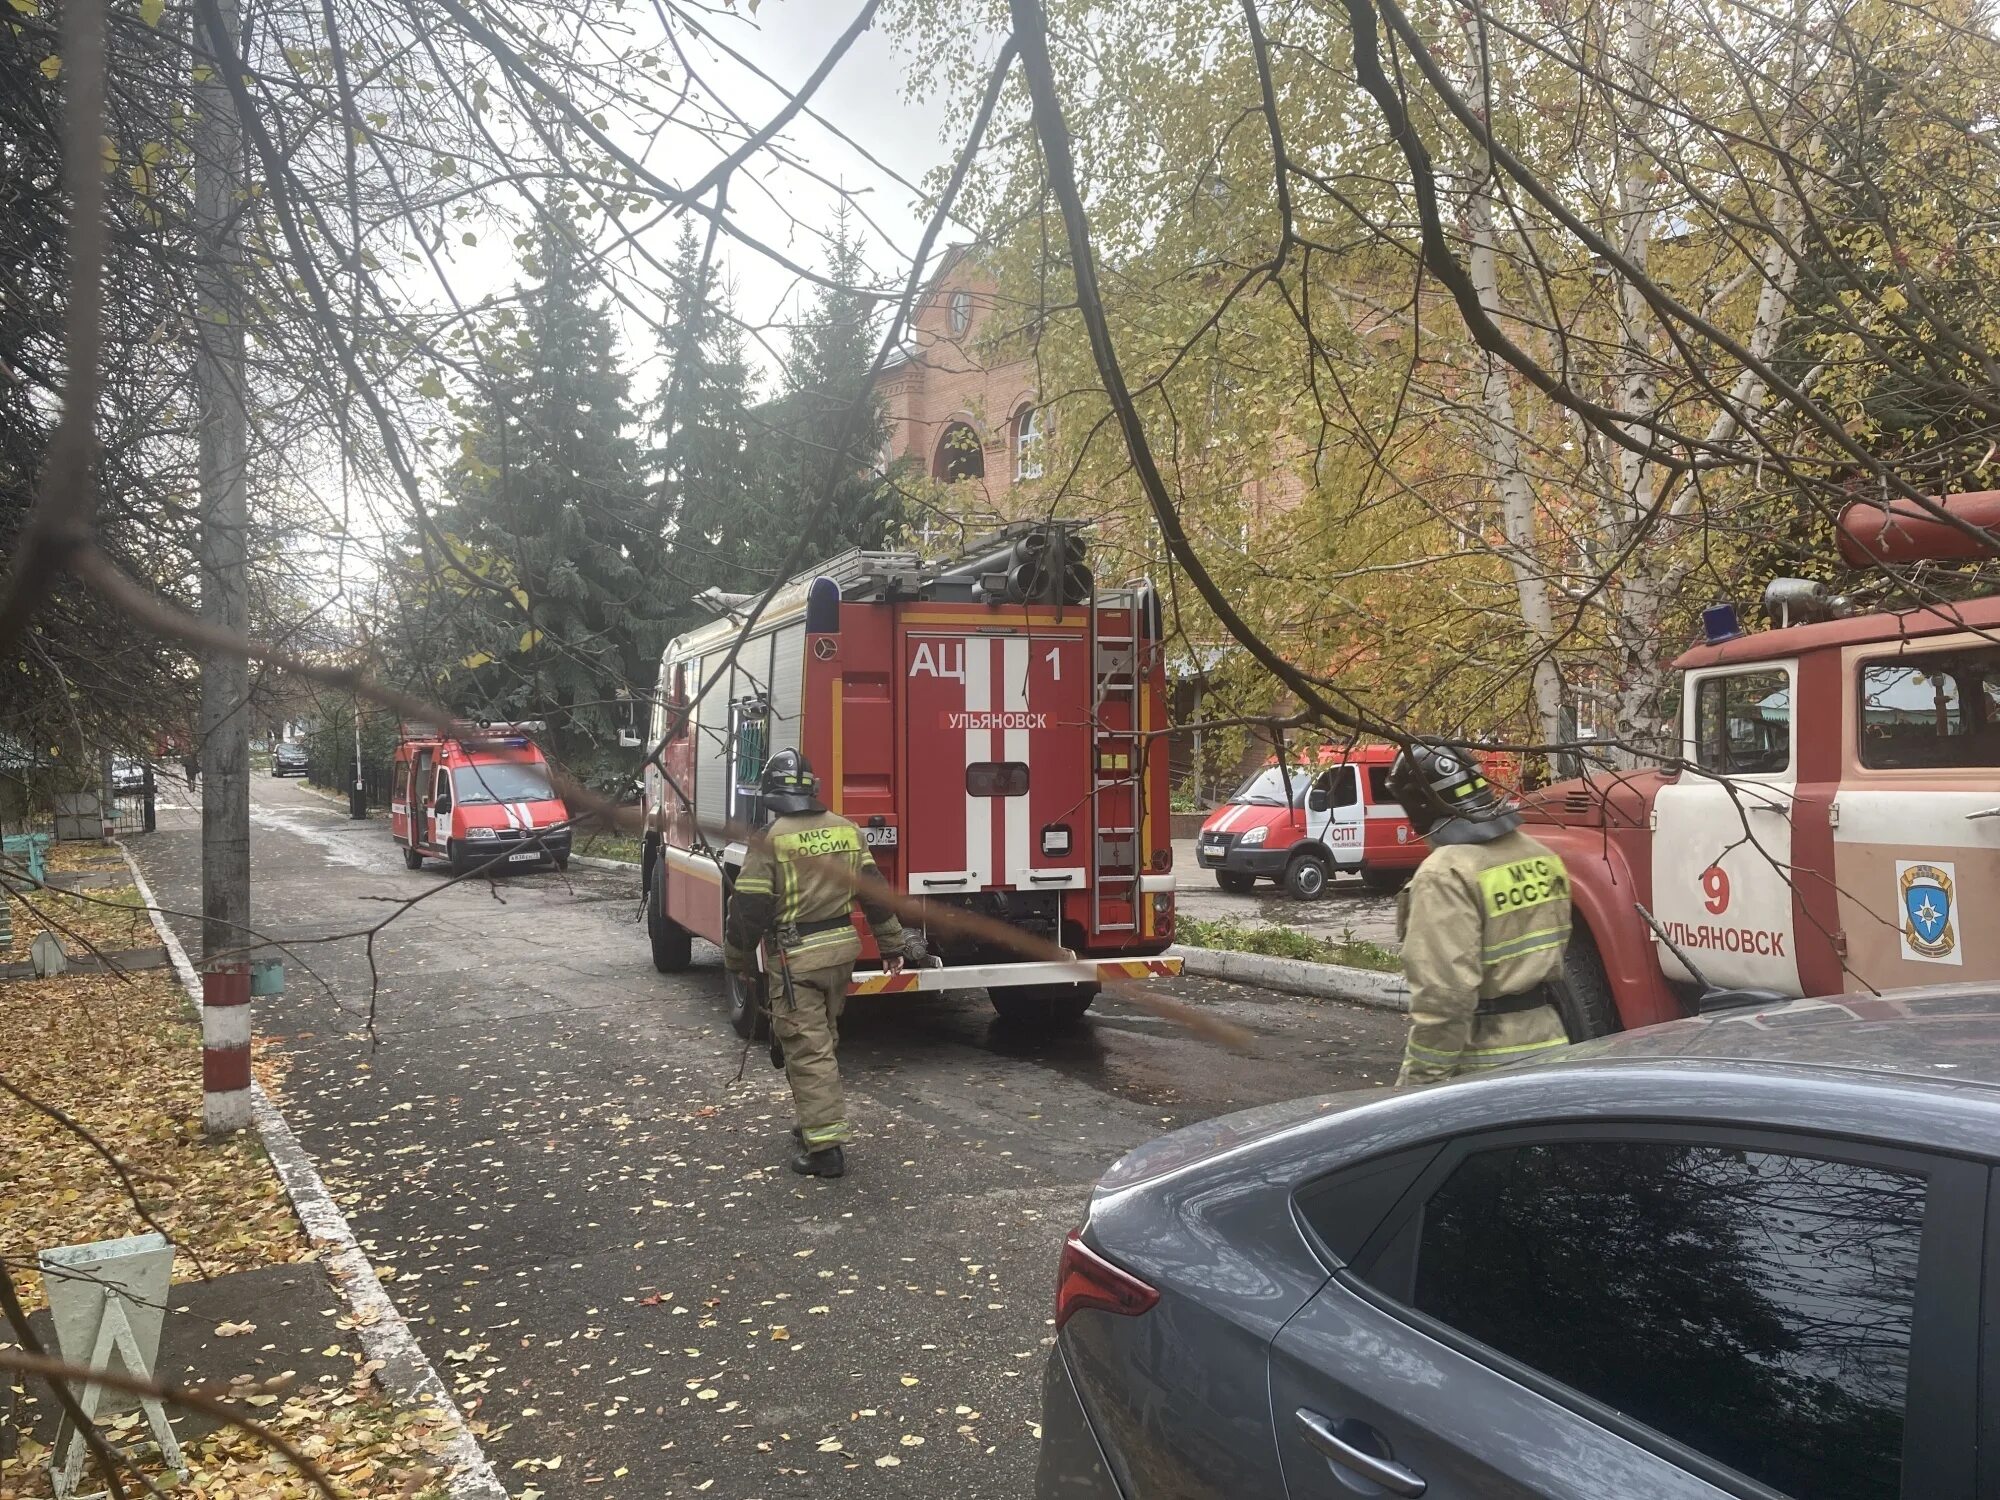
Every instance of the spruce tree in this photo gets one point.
(812, 443)
(548, 501)
(702, 423)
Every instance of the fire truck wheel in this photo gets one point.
(746, 1007)
(1305, 877)
(1588, 1009)
(1234, 881)
(1046, 1007)
(454, 857)
(412, 860)
(673, 944)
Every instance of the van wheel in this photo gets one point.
(1305, 877)
(412, 860)
(454, 857)
(1235, 881)
(673, 944)
(1587, 1006)
(747, 1015)
(1385, 882)
(1044, 1007)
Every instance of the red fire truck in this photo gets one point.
(987, 722)
(1336, 816)
(1839, 814)
(477, 794)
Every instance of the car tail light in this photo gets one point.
(1087, 1279)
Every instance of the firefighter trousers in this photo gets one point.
(809, 1029)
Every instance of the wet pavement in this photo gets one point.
(587, 1220)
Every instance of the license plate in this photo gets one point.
(529, 854)
(879, 838)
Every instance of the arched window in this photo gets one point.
(1027, 443)
(961, 313)
(959, 455)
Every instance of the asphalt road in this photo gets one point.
(590, 1226)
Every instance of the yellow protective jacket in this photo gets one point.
(1481, 922)
(802, 880)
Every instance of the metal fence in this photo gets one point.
(135, 812)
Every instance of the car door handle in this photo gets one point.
(1390, 1475)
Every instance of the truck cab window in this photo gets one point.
(1743, 723)
(1940, 711)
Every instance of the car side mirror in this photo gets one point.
(1318, 800)
(443, 803)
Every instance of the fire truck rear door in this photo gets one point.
(998, 761)
(1722, 839)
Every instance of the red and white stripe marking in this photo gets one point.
(225, 1048)
(978, 747)
(1003, 975)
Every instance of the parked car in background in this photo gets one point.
(1743, 1254)
(288, 760)
(127, 776)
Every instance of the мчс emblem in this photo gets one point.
(1930, 932)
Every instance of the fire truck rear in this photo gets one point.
(988, 722)
(1836, 824)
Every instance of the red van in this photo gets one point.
(477, 795)
(1338, 816)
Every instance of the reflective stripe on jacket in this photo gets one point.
(1478, 922)
(807, 870)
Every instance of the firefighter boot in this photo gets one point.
(828, 1163)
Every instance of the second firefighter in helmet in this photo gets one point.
(796, 894)
(1483, 923)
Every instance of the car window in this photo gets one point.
(1753, 1306)
(1341, 788)
(1940, 710)
(1743, 722)
(1378, 786)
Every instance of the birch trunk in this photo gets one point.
(1502, 441)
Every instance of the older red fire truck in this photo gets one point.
(987, 722)
(1837, 820)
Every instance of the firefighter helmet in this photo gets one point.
(788, 784)
(1447, 798)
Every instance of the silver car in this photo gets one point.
(1741, 1255)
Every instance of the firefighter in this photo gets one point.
(1483, 923)
(796, 893)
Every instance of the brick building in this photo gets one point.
(964, 415)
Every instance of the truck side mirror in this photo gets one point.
(443, 803)
(1318, 800)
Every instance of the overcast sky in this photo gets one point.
(866, 98)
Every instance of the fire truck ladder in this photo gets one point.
(1117, 752)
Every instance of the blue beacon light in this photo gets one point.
(1719, 624)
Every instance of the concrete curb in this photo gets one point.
(1295, 976)
(592, 862)
(406, 1373)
